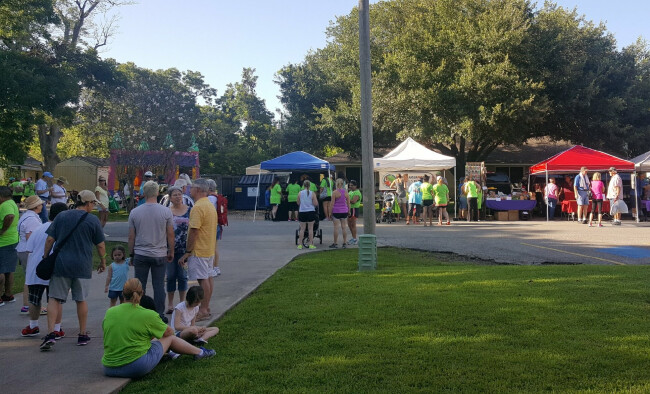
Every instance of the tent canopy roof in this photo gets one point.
(413, 156)
(578, 156)
(296, 161)
(642, 162)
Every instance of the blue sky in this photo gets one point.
(220, 37)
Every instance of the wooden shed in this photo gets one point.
(82, 172)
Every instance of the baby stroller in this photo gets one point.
(318, 233)
(387, 212)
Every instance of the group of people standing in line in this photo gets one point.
(178, 242)
(424, 199)
(585, 190)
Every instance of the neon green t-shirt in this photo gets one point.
(323, 184)
(276, 194)
(29, 189)
(352, 194)
(471, 189)
(10, 236)
(427, 191)
(17, 188)
(293, 190)
(440, 191)
(313, 187)
(128, 330)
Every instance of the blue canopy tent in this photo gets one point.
(298, 161)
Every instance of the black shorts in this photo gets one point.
(329, 198)
(341, 215)
(415, 209)
(306, 217)
(36, 293)
(354, 213)
(292, 206)
(597, 204)
(427, 203)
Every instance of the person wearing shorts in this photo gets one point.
(355, 203)
(415, 201)
(292, 197)
(427, 201)
(399, 184)
(326, 187)
(74, 263)
(581, 189)
(597, 192)
(441, 192)
(340, 212)
(129, 351)
(307, 203)
(201, 243)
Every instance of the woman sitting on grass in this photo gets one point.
(129, 351)
(184, 318)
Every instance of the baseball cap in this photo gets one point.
(48, 174)
(87, 196)
(148, 173)
(612, 169)
(62, 180)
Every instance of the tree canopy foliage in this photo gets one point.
(466, 76)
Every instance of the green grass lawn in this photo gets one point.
(420, 325)
(19, 275)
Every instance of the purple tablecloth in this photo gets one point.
(647, 205)
(507, 205)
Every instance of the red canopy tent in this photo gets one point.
(572, 159)
(578, 156)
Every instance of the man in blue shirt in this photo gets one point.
(415, 201)
(581, 189)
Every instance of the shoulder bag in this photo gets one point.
(45, 267)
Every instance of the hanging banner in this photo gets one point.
(387, 178)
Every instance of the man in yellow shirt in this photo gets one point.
(201, 243)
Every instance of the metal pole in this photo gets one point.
(546, 200)
(366, 118)
(259, 175)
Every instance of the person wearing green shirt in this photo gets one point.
(326, 186)
(427, 201)
(276, 196)
(129, 351)
(28, 188)
(292, 196)
(441, 193)
(355, 203)
(471, 188)
(17, 189)
(8, 242)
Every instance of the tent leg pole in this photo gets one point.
(257, 197)
(455, 195)
(547, 218)
(636, 197)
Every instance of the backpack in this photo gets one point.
(222, 209)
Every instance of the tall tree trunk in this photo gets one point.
(49, 136)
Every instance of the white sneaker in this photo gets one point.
(173, 355)
(216, 272)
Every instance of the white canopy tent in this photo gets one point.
(642, 162)
(413, 156)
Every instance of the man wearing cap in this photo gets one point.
(28, 222)
(43, 190)
(615, 193)
(59, 194)
(581, 187)
(74, 263)
(17, 189)
(148, 176)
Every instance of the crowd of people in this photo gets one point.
(174, 241)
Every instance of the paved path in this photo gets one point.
(252, 252)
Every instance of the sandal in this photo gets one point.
(169, 311)
(203, 317)
(333, 246)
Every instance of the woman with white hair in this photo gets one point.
(182, 185)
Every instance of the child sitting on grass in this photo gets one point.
(184, 318)
(118, 273)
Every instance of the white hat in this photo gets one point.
(148, 173)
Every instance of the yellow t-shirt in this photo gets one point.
(203, 217)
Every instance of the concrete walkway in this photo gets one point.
(252, 252)
(249, 254)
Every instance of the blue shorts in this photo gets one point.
(462, 202)
(113, 294)
(140, 367)
(220, 231)
(583, 197)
